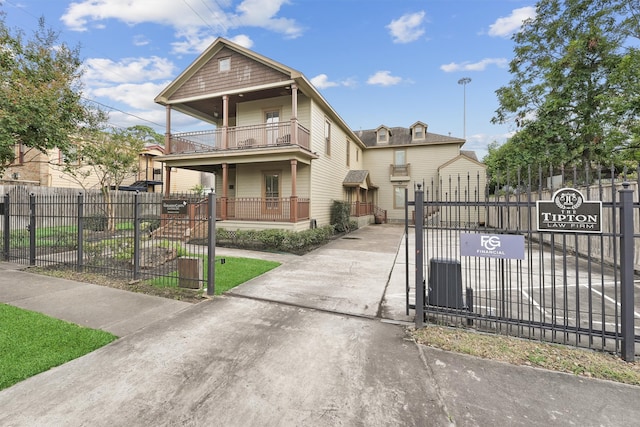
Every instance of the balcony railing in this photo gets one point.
(241, 137)
(400, 170)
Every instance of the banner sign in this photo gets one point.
(569, 212)
(172, 206)
(503, 246)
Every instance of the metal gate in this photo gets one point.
(574, 287)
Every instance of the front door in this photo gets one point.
(272, 118)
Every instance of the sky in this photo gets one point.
(376, 62)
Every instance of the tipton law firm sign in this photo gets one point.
(569, 212)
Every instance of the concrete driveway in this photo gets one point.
(302, 345)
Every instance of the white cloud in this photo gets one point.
(384, 78)
(407, 28)
(321, 81)
(505, 26)
(196, 24)
(136, 96)
(140, 40)
(243, 40)
(474, 66)
(479, 142)
(101, 70)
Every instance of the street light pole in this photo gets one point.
(464, 81)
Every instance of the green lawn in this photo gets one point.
(232, 273)
(31, 343)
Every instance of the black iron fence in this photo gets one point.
(125, 235)
(528, 259)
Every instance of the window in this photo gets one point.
(382, 135)
(224, 64)
(357, 154)
(398, 197)
(71, 157)
(418, 132)
(327, 137)
(348, 153)
(400, 158)
(271, 190)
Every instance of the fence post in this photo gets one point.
(80, 232)
(7, 228)
(211, 244)
(626, 276)
(32, 229)
(419, 226)
(136, 236)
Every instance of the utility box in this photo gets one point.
(190, 272)
(445, 283)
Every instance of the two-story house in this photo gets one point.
(399, 158)
(281, 154)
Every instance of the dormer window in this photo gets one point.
(383, 136)
(418, 131)
(224, 64)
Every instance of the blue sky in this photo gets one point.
(390, 62)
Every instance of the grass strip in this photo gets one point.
(232, 273)
(31, 343)
(517, 351)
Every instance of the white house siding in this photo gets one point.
(252, 113)
(424, 162)
(183, 180)
(465, 180)
(327, 172)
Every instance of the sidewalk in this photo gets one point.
(304, 344)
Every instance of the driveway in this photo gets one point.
(303, 345)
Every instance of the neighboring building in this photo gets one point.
(282, 155)
(399, 158)
(33, 167)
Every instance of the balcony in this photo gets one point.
(400, 172)
(240, 138)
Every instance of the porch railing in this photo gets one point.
(362, 209)
(240, 137)
(276, 209)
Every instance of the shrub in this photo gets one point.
(96, 222)
(340, 212)
(275, 239)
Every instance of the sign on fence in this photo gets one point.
(503, 246)
(173, 206)
(569, 212)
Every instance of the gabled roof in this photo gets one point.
(463, 157)
(215, 47)
(291, 76)
(358, 178)
(419, 123)
(402, 136)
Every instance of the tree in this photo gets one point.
(41, 104)
(108, 157)
(146, 134)
(574, 94)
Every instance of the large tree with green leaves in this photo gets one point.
(574, 95)
(108, 158)
(41, 104)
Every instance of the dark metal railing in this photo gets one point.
(574, 288)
